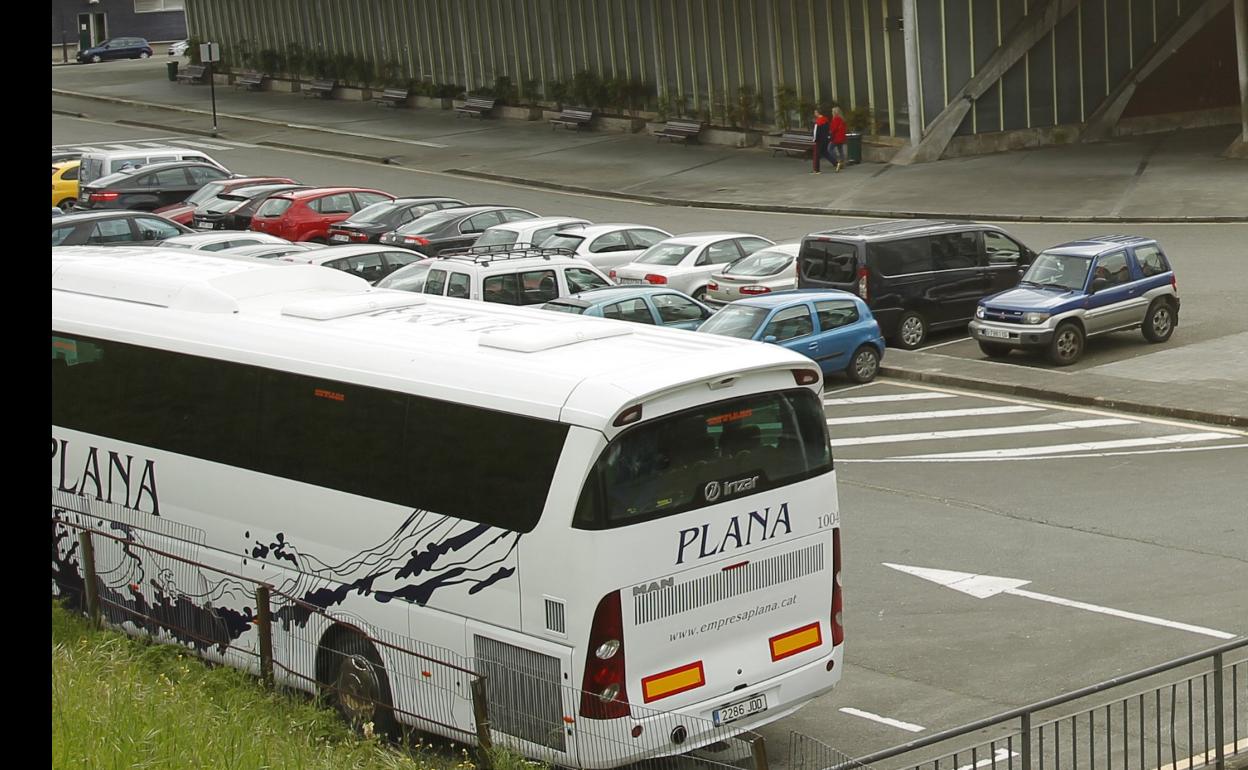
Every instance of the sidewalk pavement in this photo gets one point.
(1176, 177)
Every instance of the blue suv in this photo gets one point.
(1078, 290)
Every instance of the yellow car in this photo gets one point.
(64, 183)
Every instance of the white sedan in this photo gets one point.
(606, 246)
(687, 262)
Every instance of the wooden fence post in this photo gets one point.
(88, 578)
(264, 624)
(481, 715)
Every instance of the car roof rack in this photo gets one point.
(484, 255)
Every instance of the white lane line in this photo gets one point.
(379, 137)
(949, 342)
(908, 727)
(886, 399)
(934, 414)
(1085, 446)
(976, 432)
(1128, 453)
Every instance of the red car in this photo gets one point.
(306, 215)
(183, 212)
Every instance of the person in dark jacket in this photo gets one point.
(822, 135)
(836, 131)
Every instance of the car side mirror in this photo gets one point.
(150, 235)
(1098, 284)
(770, 338)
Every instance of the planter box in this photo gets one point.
(353, 94)
(282, 86)
(431, 102)
(222, 78)
(520, 113)
(730, 137)
(625, 124)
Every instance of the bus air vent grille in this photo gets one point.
(522, 691)
(721, 585)
(554, 616)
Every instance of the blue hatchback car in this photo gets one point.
(835, 328)
(116, 48)
(657, 305)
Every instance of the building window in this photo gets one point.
(151, 6)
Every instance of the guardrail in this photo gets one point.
(1200, 719)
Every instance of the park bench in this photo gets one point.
(252, 81)
(573, 118)
(476, 107)
(192, 73)
(392, 97)
(794, 143)
(679, 130)
(322, 88)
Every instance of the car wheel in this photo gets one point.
(354, 681)
(96, 59)
(66, 205)
(700, 294)
(864, 365)
(994, 350)
(911, 330)
(144, 55)
(1067, 345)
(1158, 322)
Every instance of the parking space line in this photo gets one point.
(893, 438)
(949, 342)
(907, 726)
(884, 399)
(1086, 446)
(934, 414)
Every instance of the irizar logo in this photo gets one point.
(646, 588)
(740, 485)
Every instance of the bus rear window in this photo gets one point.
(704, 456)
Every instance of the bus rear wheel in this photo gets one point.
(353, 680)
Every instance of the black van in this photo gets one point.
(915, 275)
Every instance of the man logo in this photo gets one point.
(711, 491)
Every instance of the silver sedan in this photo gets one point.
(687, 262)
(766, 270)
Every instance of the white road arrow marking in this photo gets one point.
(907, 726)
(1001, 755)
(985, 586)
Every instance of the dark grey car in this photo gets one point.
(370, 223)
(103, 228)
(455, 228)
(149, 187)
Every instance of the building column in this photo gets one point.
(910, 33)
(1241, 51)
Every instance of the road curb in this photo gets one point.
(180, 129)
(1028, 391)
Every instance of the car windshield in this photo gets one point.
(220, 203)
(247, 193)
(409, 278)
(497, 237)
(563, 307)
(429, 222)
(1065, 271)
(765, 262)
(664, 254)
(373, 213)
(735, 321)
(205, 193)
(569, 242)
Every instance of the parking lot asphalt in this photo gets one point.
(1174, 177)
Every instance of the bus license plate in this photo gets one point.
(739, 710)
(995, 333)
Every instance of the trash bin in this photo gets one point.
(853, 147)
(173, 70)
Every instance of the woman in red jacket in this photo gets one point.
(836, 130)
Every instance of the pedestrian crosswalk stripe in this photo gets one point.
(115, 146)
(153, 145)
(893, 438)
(204, 145)
(1083, 446)
(883, 399)
(933, 414)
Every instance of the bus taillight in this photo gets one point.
(604, 693)
(838, 631)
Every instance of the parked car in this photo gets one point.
(656, 305)
(60, 155)
(64, 184)
(527, 276)
(687, 262)
(220, 241)
(766, 270)
(56, 212)
(179, 48)
(370, 262)
(307, 215)
(269, 250)
(1078, 290)
(99, 163)
(146, 189)
(525, 231)
(452, 228)
(835, 328)
(234, 210)
(184, 211)
(608, 245)
(917, 276)
(369, 224)
(116, 48)
(108, 227)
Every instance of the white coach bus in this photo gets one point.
(644, 517)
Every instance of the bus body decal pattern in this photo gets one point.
(725, 584)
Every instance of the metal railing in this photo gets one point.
(1196, 720)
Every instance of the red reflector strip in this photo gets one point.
(676, 680)
(795, 641)
(331, 395)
